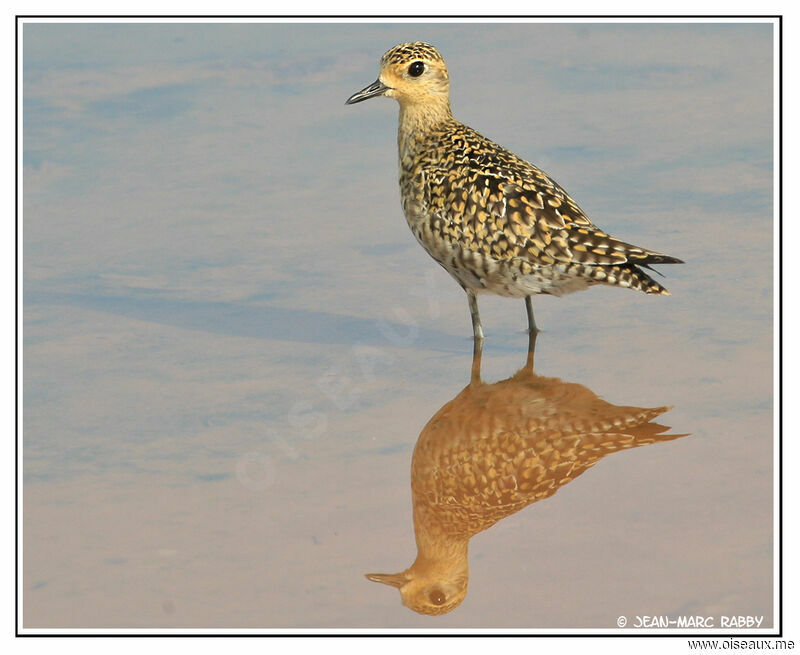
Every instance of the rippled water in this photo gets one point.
(232, 341)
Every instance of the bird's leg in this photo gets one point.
(531, 348)
(531, 322)
(477, 330)
(477, 353)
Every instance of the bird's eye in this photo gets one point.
(437, 597)
(416, 69)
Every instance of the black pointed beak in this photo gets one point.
(377, 88)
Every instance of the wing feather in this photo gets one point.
(493, 202)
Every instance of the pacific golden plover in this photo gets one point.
(494, 222)
(493, 450)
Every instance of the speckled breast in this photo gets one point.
(473, 269)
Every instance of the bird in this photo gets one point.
(493, 221)
(493, 450)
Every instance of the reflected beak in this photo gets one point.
(377, 88)
(392, 579)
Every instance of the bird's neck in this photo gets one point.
(435, 543)
(418, 121)
(448, 558)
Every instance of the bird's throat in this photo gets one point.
(417, 121)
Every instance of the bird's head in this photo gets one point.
(414, 74)
(429, 593)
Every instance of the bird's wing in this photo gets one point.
(493, 202)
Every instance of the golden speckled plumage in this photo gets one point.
(495, 222)
(407, 52)
(490, 452)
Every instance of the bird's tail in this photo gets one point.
(626, 275)
(657, 258)
(648, 284)
(643, 282)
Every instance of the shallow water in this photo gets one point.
(232, 341)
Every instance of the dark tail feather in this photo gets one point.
(643, 282)
(657, 258)
(650, 268)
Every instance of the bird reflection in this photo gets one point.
(494, 449)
